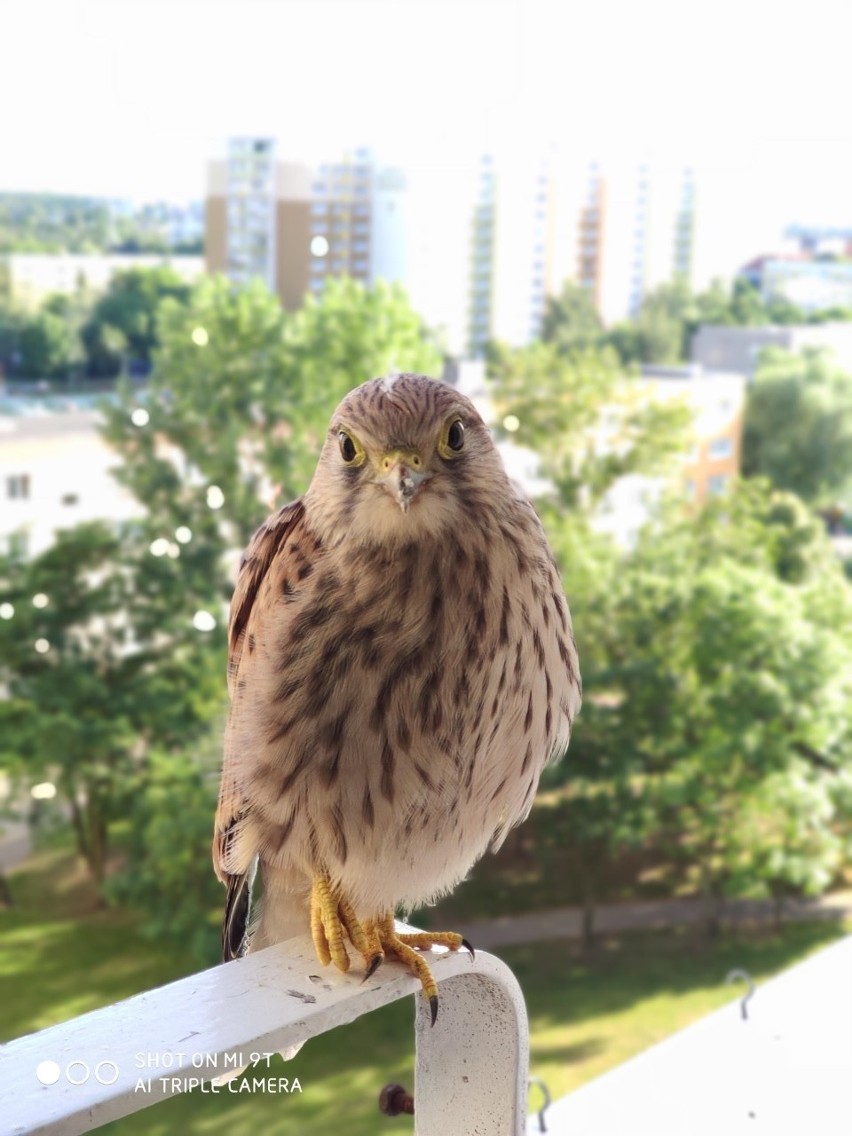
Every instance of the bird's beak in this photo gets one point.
(402, 473)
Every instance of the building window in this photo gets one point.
(721, 448)
(717, 484)
(18, 486)
(70, 499)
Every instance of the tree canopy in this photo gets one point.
(798, 426)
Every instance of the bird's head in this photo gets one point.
(404, 456)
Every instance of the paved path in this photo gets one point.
(566, 922)
(15, 843)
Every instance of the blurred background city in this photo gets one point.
(627, 235)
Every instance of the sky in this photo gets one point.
(127, 98)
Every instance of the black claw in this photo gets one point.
(465, 943)
(373, 967)
(433, 1006)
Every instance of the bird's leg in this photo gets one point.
(332, 916)
(402, 946)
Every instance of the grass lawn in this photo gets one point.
(60, 956)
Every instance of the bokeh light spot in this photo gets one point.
(215, 497)
(203, 621)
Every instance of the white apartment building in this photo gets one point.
(55, 473)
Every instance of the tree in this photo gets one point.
(101, 660)
(714, 655)
(571, 321)
(57, 223)
(747, 305)
(589, 423)
(732, 681)
(10, 337)
(167, 872)
(124, 319)
(798, 426)
(662, 328)
(48, 347)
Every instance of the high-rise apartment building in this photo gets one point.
(240, 214)
(293, 227)
(512, 240)
(633, 225)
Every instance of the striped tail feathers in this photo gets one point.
(236, 924)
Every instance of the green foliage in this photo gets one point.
(56, 223)
(45, 222)
(589, 423)
(669, 317)
(123, 320)
(662, 322)
(101, 661)
(48, 347)
(798, 426)
(571, 321)
(717, 693)
(731, 682)
(104, 336)
(168, 874)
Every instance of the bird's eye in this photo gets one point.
(455, 435)
(347, 447)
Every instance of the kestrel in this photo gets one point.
(402, 667)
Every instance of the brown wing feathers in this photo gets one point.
(264, 547)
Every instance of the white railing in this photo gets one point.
(471, 1067)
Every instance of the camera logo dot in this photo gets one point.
(48, 1072)
(77, 1072)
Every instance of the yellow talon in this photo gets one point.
(426, 939)
(349, 920)
(326, 927)
(405, 946)
(332, 917)
(318, 931)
